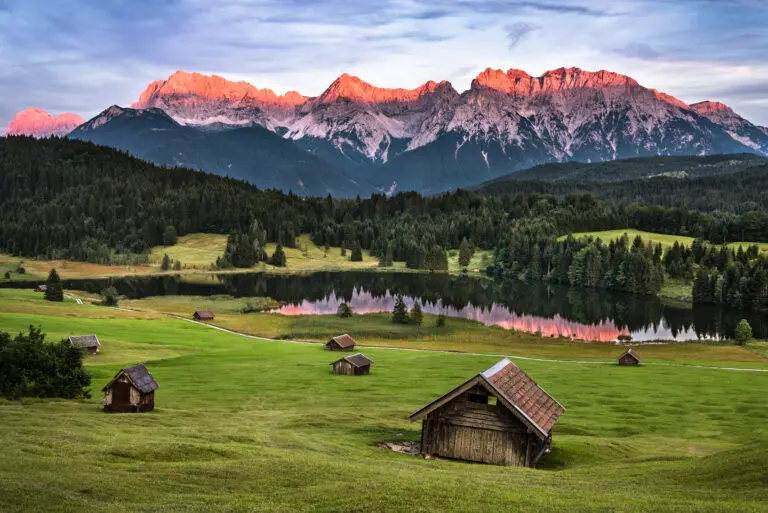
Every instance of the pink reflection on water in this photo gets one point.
(557, 326)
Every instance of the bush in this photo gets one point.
(20, 269)
(7, 275)
(109, 296)
(417, 316)
(31, 368)
(177, 266)
(743, 332)
(54, 291)
(170, 236)
(440, 323)
(357, 254)
(400, 312)
(344, 310)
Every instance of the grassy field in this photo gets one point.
(244, 424)
(666, 241)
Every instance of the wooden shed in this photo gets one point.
(132, 390)
(500, 416)
(41, 288)
(354, 365)
(340, 343)
(203, 315)
(87, 343)
(629, 357)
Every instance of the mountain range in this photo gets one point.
(355, 138)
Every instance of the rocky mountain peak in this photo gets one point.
(39, 123)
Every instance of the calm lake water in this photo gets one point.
(585, 314)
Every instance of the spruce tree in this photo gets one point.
(278, 257)
(357, 253)
(417, 316)
(54, 291)
(170, 236)
(400, 312)
(166, 264)
(465, 253)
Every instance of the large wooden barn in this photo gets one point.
(628, 358)
(340, 343)
(87, 343)
(354, 365)
(131, 390)
(501, 416)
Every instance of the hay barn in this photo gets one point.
(354, 365)
(500, 416)
(132, 390)
(629, 358)
(203, 315)
(340, 343)
(87, 343)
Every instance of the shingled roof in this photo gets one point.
(139, 376)
(516, 390)
(344, 341)
(85, 341)
(630, 352)
(357, 360)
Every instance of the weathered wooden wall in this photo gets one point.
(467, 430)
(346, 368)
(627, 360)
(138, 402)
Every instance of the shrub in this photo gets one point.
(357, 253)
(29, 367)
(109, 296)
(7, 275)
(170, 236)
(743, 332)
(166, 264)
(177, 266)
(344, 310)
(440, 323)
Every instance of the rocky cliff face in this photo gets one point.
(38, 123)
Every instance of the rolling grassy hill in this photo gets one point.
(246, 424)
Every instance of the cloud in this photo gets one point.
(639, 51)
(516, 32)
(501, 6)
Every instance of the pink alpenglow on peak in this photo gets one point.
(708, 107)
(349, 87)
(518, 82)
(214, 87)
(38, 123)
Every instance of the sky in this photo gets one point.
(84, 55)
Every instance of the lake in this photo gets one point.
(556, 311)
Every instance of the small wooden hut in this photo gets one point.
(354, 365)
(203, 315)
(340, 343)
(41, 288)
(629, 358)
(132, 390)
(500, 416)
(87, 343)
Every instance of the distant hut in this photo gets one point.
(628, 358)
(500, 416)
(203, 315)
(41, 288)
(354, 365)
(340, 343)
(87, 343)
(131, 390)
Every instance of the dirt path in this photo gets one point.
(528, 358)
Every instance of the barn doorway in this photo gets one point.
(121, 395)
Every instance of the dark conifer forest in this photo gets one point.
(74, 200)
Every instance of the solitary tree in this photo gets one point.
(53, 289)
(7, 275)
(400, 312)
(344, 310)
(440, 321)
(166, 264)
(357, 253)
(278, 257)
(170, 236)
(465, 253)
(417, 316)
(743, 332)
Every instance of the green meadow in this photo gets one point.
(666, 241)
(245, 424)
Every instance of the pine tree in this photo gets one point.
(54, 291)
(400, 312)
(170, 236)
(417, 316)
(166, 264)
(278, 257)
(465, 252)
(357, 253)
